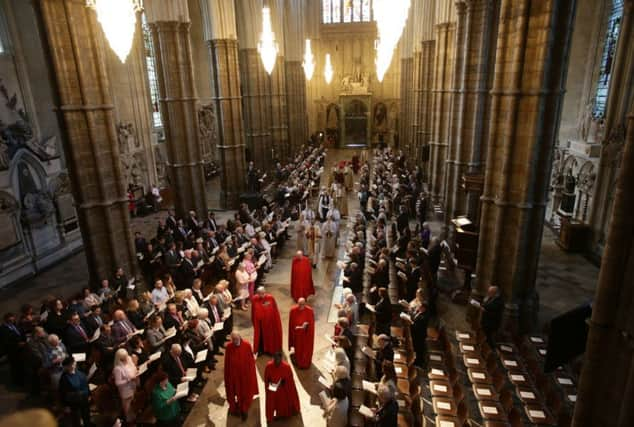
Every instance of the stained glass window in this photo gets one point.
(356, 10)
(346, 11)
(327, 11)
(152, 74)
(365, 10)
(336, 11)
(607, 59)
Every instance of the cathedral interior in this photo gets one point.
(518, 116)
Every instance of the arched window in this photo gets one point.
(607, 58)
(346, 11)
(151, 74)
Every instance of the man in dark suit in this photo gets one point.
(210, 223)
(172, 259)
(122, 327)
(492, 308)
(420, 322)
(13, 345)
(387, 413)
(174, 365)
(187, 271)
(93, 321)
(76, 338)
(170, 221)
(139, 242)
(215, 316)
(172, 317)
(383, 309)
(74, 393)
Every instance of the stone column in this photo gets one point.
(295, 78)
(78, 56)
(530, 65)
(426, 97)
(221, 35)
(169, 24)
(444, 50)
(256, 85)
(279, 108)
(454, 161)
(131, 94)
(471, 122)
(606, 387)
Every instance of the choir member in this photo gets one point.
(301, 333)
(301, 277)
(281, 395)
(240, 378)
(313, 238)
(267, 326)
(329, 233)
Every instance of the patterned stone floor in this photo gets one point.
(564, 281)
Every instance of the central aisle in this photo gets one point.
(211, 408)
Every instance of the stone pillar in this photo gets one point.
(295, 79)
(454, 162)
(606, 387)
(426, 97)
(90, 144)
(131, 94)
(169, 24)
(296, 96)
(445, 34)
(256, 85)
(221, 35)
(530, 65)
(472, 103)
(415, 105)
(277, 97)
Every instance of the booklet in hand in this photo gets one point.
(182, 390)
(201, 356)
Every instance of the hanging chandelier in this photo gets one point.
(309, 61)
(118, 21)
(328, 73)
(391, 17)
(267, 45)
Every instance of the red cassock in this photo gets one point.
(267, 325)
(301, 338)
(240, 380)
(301, 278)
(283, 402)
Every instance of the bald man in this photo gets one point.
(301, 333)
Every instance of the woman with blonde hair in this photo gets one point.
(126, 380)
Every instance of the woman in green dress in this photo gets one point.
(165, 405)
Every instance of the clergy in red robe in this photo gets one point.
(281, 395)
(301, 333)
(301, 277)
(240, 380)
(267, 325)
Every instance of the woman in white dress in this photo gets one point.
(242, 284)
(301, 228)
(313, 240)
(329, 234)
(126, 380)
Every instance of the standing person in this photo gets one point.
(240, 379)
(74, 393)
(126, 380)
(337, 410)
(281, 394)
(301, 333)
(324, 204)
(267, 325)
(313, 236)
(165, 407)
(492, 308)
(302, 228)
(13, 343)
(420, 321)
(387, 413)
(249, 267)
(301, 277)
(329, 231)
(242, 282)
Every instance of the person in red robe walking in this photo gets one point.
(301, 277)
(240, 380)
(267, 325)
(281, 395)
(301, 333)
